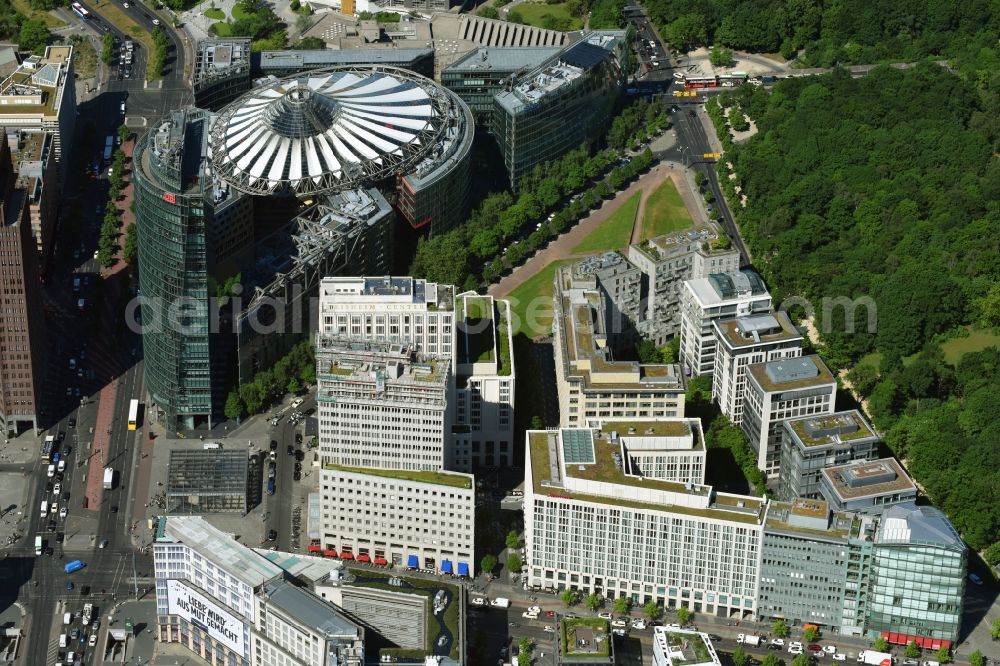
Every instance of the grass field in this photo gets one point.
(615, 232)
(665, 212)
(238, 13)
(978, 340)
(222, 29)
(535, 13)
(51, 22)
(531, 303)
(215, 13)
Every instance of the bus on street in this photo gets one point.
(133, 414)
(80, 11)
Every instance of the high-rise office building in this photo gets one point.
(741, 342)
(22, 320)
(193, 230)
(582, 82)
(230, 604)
(596, 523)
(810, 444)
(38, 176)
(780, 390)
(705, 300)
(591, 384)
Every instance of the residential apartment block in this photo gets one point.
(621, 285)
(483, 428)
(595, 523)
(381, 405)
(810, 444)
(781, 390)
(418, 519)
(23, 349)
(669, 261)
(591, 384)
(418, 313)
(741, 342)
(867, 486)
(230, 604)
(716, 297)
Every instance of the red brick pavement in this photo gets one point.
(105, 416)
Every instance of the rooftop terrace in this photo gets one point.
(380, 363)
(687, 648)
(809, 517)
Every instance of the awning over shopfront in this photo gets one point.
(924, 642)
(413, 562)
(463, 569)
(446, 566)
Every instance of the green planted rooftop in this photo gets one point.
(451, 479)
(593, 631)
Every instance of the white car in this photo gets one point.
(93, 640)
(795, 644)
(740, 637)
(156, 21)
(56, 489)
(604, 616)
(549, 629)
(794, 649)
(638, 624)
(830, 649)
(778, 641)
(62, 513)
(619, 624)
(528, 615)
(840, 656)
(535, 609)
(51, 470)
(478, 601)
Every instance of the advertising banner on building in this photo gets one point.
(220, 623)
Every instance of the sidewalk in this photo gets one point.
(107, 400)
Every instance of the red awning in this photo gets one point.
(381, 561)
(330, 552)
(363, 558)
(315, 548)
(924, 642)
(347, 555)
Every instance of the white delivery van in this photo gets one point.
(67, 618)
(62, 640)
(45, 509)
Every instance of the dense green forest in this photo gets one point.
(831, 31)
(887, 188)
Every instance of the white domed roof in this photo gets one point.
(326, 131)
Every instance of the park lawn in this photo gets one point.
(534, 13)
(239, 13)
(537, 289)
(215, 13)
(978, 340)
(51, 22)
(615, 232)
(222, 29)
(665, 212)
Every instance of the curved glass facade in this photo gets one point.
(175, 206)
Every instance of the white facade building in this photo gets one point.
(595, 524)
(230, 604)
(483, 430)
(381, 405)
(662, 449)
(591, 384)
(742, 342)
(418, 313)
(781, 390)
(422, 520)
(705, 300)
